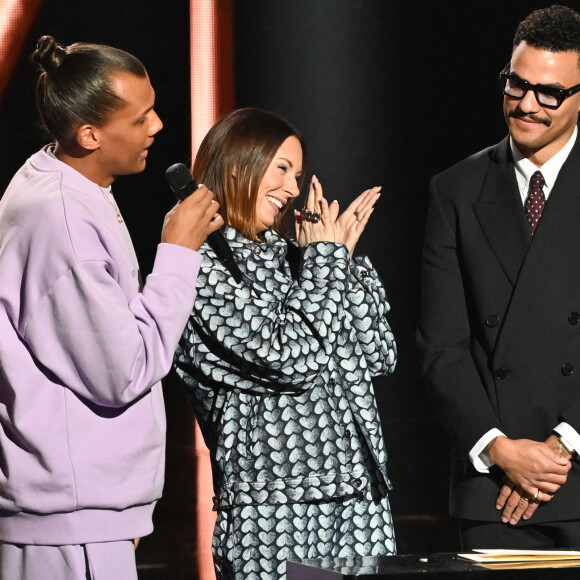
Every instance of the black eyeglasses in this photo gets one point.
(549, 97)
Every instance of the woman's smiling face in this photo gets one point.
(280, 183)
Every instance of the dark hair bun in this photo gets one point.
(48, 54)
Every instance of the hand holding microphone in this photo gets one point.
(190, 222)
(183, 185)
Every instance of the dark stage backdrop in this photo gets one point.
(386, 92)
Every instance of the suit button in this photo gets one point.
(492, 320)
(500, 373)
(347, 434)
(357, 483)
(567, 369)
(574, 317)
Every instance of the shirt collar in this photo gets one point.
(525, 168)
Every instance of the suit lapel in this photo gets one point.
(500, 213)
(550, 263)
(558, 230)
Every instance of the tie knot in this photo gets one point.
(537, 179)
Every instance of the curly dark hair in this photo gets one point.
(556, 29)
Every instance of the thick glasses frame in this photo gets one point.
(539, 90)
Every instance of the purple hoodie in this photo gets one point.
(83, 346)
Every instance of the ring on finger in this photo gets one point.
(526, 499)
(536, 494)
(312, 216)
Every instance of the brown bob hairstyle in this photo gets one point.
(232, 160)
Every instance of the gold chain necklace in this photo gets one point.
(108, 195)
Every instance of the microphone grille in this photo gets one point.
(178, 176)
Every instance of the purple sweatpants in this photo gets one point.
(105, 561)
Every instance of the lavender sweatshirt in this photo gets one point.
(83, 346)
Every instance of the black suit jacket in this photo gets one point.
(499, 331)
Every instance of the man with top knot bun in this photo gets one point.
(84, 342)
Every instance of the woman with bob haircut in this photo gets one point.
(278, 367)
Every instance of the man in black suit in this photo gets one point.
(500, 323)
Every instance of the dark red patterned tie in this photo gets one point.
(535, 201)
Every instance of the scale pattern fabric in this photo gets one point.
(278, 370)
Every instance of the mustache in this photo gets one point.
(530, 117)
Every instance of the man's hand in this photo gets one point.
(515, 505)
(192, 220)
(532, 466)
(553, 442)
(535, 472)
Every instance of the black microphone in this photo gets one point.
(183, 184)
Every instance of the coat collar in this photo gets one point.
(268, 238)
(501, 215)
(559, 230)
(281, 256)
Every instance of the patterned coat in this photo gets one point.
(278, 369)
